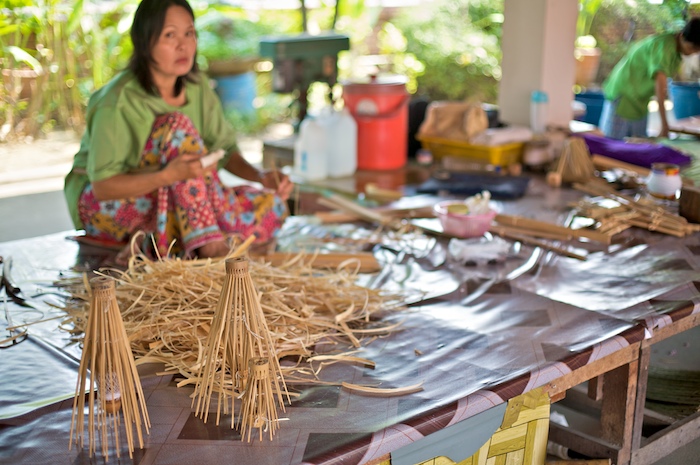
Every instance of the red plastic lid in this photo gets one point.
(392, 83)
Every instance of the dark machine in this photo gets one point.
(302, 60)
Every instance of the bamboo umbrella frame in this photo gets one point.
(238, 337)
(258, 408)
(118, 397)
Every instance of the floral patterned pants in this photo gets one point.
(188, 214)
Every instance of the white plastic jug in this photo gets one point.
(310, 150)
(342, 147)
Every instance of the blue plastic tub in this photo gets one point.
(237, 92)
(594, 106)
(686, 99)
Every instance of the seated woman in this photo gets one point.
(138, 167)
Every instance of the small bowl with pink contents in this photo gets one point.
(459, 220)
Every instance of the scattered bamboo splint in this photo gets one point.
(238, 334)
(118, 398)
(382, 392)
(574, 164)
(647, 215)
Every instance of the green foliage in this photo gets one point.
(72, 47)
(458, 43)
(225, 33)
(587, 11)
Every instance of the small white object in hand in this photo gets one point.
(212, 158)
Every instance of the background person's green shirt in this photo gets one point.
(633, 78)
(120, 118)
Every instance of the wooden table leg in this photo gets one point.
(618, 408)
(642, 379)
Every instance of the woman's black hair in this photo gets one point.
(691, 31)
(145, 31)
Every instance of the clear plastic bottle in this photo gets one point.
(311, 150)
(539, 102)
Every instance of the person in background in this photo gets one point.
(139, 165)
(641, 74)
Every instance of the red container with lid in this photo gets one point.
(379, 105)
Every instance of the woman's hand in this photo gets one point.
(184, 166)
(277, 181)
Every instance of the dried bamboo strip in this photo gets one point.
(31, 323)
(343, 358)
(383, 392)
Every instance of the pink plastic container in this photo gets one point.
(460, 224)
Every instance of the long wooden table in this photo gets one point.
(485, 334)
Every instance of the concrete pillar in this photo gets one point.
(538, 54)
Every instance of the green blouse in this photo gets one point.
(633, 78)
(120, 118)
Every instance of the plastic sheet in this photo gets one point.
(473, 335)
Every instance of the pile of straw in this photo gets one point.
(168, 305)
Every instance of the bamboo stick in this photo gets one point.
(352, 207)
(542, 226)
(555, 236)
(533, 241)
(374, 191)
(336, 217)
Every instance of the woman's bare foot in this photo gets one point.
(213, 249)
